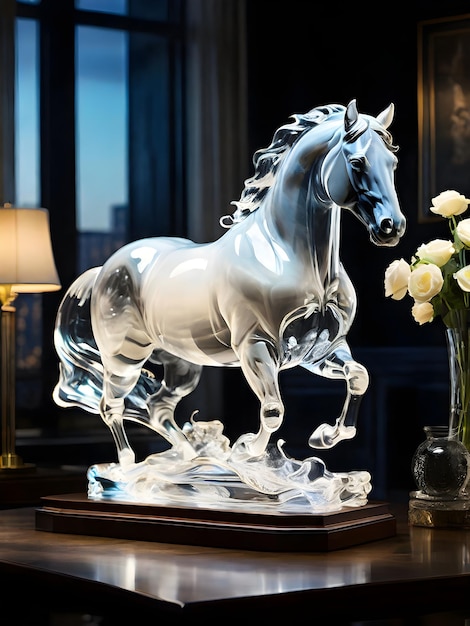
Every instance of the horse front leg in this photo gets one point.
(340, 365)
(260, 365)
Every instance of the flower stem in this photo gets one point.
(458, 341)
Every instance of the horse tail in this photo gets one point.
(80, 368)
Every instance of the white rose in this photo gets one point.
(437, 251)
(463, 231)
(425, 282)
(449, 203)
(422, 312)
(463, 278)
(396, 279)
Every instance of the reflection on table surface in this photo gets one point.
(191, 575)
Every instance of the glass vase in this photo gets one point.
(440, 465)
(458, 350)
(441, 470)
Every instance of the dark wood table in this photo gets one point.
(20, 488)
(418, 572)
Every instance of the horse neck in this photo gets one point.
(305, 218)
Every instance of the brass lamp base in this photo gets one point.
(9, 461)
(13, 462)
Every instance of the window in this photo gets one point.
(97, 142)
(109, 173)
(28, 306)
(101, 88)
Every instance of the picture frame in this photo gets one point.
(443, 109)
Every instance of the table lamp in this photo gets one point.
(26, 266)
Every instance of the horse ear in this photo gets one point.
(385, 118)
(351, 115)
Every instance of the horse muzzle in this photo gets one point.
(387, 232)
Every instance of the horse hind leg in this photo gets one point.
(112, 417)
(180, 378)
(112, 406)
(341, 366)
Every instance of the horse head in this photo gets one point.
(363, 180)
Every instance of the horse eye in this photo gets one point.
(358, 163)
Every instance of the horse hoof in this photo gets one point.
(184, 450)
(347, 432)
(325, 436)
(245, 448)
(126, 458)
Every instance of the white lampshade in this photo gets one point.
(26, 258)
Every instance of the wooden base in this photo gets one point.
(322, 532)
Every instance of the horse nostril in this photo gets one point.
(386, 226)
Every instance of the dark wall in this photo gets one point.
(302, 54)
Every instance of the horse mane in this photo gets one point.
(267, 160)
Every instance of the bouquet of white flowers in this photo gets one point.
(438, 277)
(438, 280)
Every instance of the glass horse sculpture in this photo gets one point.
(271, 293)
